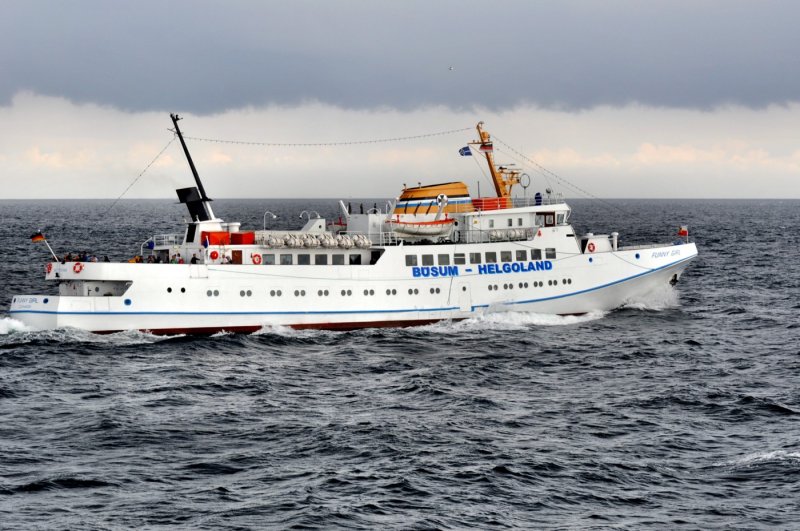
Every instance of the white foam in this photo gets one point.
(11, 326)
(511, 321)
(762, 457)
(659, 298)
(287, 331)
(74, 335)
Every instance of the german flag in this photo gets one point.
(37, 237)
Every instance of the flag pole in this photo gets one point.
(51, 250)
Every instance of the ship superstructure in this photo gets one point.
(437, 253)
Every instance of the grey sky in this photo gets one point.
(208, 57)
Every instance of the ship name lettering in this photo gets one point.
(516, 267)
(434, 271)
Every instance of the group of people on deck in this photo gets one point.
(82, 256)
(156, 259)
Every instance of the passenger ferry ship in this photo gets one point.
(436, 254)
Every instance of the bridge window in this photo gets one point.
(522, 255)
(286, 259)
(411, 259)
(303, 259)
(510, 222)
(427, 259)
(536, 254)
(337, 259)
(491, 258)
(550, 253)
(560, 218)
(505, 256)
(459, 259)
(444, 259)
(268, 259)
(320, 259)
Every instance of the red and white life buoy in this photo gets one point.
(591, 247)
(256, 258)
(78, 267)
(214, 255)
(49, 267)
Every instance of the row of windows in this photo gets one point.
(541, 220)
(371, 292)
(489, 257)
(536, 284)
(305, 259)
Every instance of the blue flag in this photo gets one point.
(465, 152)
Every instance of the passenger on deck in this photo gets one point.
(105, 259)
(194, 259)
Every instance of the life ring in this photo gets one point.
(256, 258)
(49, 267)
(214, 255)
(591, 247)
(78, 267)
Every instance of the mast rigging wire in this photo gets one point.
(328, 144)
(140, 175)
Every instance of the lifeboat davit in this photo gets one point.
(439, 227)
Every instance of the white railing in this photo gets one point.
(168, 239)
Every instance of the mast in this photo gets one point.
(503, 178)
(197, 180)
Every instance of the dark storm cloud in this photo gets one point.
(207, 57)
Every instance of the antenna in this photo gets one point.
(202, 190)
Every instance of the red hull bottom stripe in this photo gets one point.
(206, 331)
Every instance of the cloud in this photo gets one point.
(208, 57)
(52, 147)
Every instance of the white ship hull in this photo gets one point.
(356, 294)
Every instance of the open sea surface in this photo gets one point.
(678, 411)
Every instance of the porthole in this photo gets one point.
(349, 293)
(208, 293)
(216, 293)
(241, 293)
(280, 293)
(46, 300)
(169, 290)
(249, 293)
(302, 293)
(549, 282)
(410, 291)
(319, 293)
(297, 293)
(569, 281)
(96, 289)
(526, 284)
(432, 291)
(463, 288)
(416, 291)
(491, 287)
(591, 259)
(127, 302)
(366, 292)
(394, 292)
(637, 256)
(183, 290)
(272, 293)
(388, 292)
(326, 292)
(372, 292)
(344, 293)
(438, 290)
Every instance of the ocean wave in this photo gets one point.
(510, 321)
(664, 297)
(758, 458)
(11, 326)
